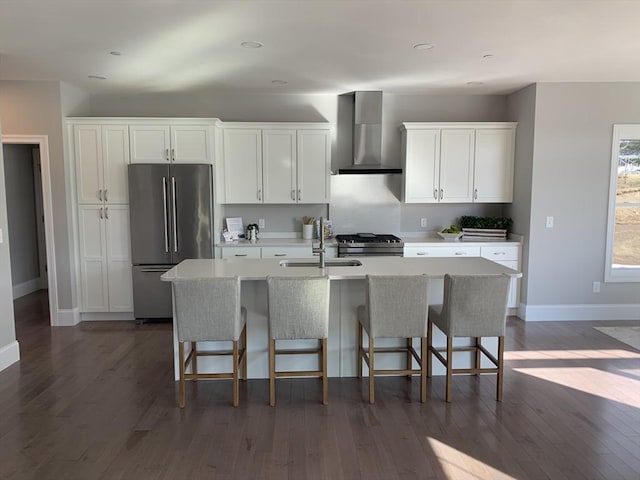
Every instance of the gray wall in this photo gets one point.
(521, 108)
(570, 181)
(7, 325)
(21, 212)
(34, 108)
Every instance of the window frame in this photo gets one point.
(611, 274)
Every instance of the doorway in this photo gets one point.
(30, 215)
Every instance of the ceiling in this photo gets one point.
(319, 46)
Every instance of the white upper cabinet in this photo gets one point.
(170, 143)
(265, 164)
(494, 165)
(458, 162)
(101, 159)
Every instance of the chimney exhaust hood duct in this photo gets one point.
(367, 136)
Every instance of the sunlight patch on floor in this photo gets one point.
(569, 354)
(456, 464)
(603, 384)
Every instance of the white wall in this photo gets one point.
(570, 181)
(8, 345)
(21, 213)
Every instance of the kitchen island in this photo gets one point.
(347, 292)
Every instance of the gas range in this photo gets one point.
(369, 244)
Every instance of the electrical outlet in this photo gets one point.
(423, 223)
(549, 223)
(596, 287)
(261, 223)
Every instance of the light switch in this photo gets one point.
(549, 223)
(261, 223)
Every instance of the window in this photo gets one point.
(623, 230)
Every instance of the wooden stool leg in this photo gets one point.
(477, 361)
(194, 360)
(359, 352)
(325, 387)
(429, 347)
(371, 371)
(272, 372)
(424, 353)
(244, 350)
(409, 357)
(235, 373)
(181, 392)
(449, 367)
(500, 368)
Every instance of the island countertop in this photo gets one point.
(259, 269)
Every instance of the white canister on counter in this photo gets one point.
(307, 231)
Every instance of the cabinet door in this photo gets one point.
(150, 143)
(115, 159)
(287, 252)
(421, 165)
(88, 160)
(118, 259)
(93, 258)
(456, 165)
(243, 165)
(514, 293)
(314, 166)
(493, 179)
(190, 144)
(240, 252)
(279, 166)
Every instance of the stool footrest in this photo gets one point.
(301, 373)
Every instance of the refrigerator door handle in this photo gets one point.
(164, 206)
(175, 214)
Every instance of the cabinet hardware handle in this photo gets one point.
(280, 255)
(475, 194)
(106, 213)
(175, 214)
(299, 195)
(166, 154)
(435, 193)
(105, 195)
(260, 194)
(422, 253)
(173, 154)
(164, 207)
(499, 253)
(100, 194)
(460, 253)
(441, 194)
(293, 194)
(101, 216)
(241, 255)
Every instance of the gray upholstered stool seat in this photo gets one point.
(209, 310)
(396, 308)
(473, 306)
(298, 309)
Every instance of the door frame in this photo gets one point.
(42, 141)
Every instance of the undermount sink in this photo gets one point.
(327, 263)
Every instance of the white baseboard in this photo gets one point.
(25, 288)
(66, 318)
(108, 316)
(9, 354)
(579, 312)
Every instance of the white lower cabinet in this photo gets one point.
(105, 258)
(506, 255)
(240, 252)
(267, 252)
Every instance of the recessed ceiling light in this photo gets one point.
(475, 83)
(97, 77)
(251, 44)
(279, 82)
(423, 46)
(488, 55)
(115, 53)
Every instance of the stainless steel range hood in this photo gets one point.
(367, 136)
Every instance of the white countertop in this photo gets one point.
(259, 269)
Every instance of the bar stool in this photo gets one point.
(209, 310)
(396, 308)
(298, 309)
(474, 306)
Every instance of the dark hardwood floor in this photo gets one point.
(98, 401)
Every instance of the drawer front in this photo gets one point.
(240, 252)
(448, 251)
(498, 254)
(290, 252)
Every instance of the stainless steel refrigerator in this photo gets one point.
(171, 220)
